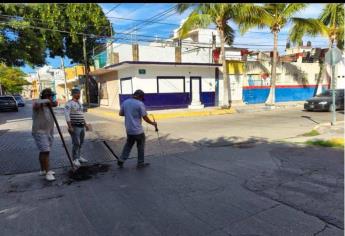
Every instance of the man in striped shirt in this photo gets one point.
(74, 115)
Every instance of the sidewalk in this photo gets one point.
(208, 111)
(326, 132)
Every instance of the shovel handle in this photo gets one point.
(153, 118)
(62, 139)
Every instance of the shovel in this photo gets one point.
(62, 139)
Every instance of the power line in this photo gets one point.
(108, 37)
(151, 18)
(156, 22)
(116, 6)
(155, 17)
(149, 21)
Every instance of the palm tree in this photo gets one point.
(275, 16)
(329, 24)
(219, 14)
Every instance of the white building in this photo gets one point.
(172, 75)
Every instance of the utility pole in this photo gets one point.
(86, 72)
(332, 57)
(334, 119)
(64, 76)
(39, 82)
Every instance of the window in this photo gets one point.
(170, 84)
(126, 85)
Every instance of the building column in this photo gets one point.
(195, 90)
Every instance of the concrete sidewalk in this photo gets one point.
(326, 132)
(208, 111)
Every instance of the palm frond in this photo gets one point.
(182, 7)
(293, 8)
(229, 34)
(251, 16)
(340, 38)
(302, 27)
(333, 14)
(194, 21)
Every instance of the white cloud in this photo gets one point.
(313, 10)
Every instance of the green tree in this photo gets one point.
(19, 44)
(219, 14)
(34, 29)
(31, 30)
(274, 16)
(12, 79)
(329, 24)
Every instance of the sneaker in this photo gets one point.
(76, 163)
(142, 165)
(43, 172)
(51, 172)
(120, 164)
(82, 160)
(50, 177)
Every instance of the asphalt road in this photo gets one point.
(206, 188)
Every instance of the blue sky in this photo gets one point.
(143, 11)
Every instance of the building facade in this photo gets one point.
(188, 74)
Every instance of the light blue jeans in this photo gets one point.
(77, 136)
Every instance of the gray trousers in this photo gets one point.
(131, 139)
(77, 136)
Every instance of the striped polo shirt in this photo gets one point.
(74, 113)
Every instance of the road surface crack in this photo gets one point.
(320, 231)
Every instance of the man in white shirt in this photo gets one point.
(133, 109)
(43, 129)
(74, 115)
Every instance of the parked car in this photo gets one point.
(8, 103)
(20, 100)
(323, 101)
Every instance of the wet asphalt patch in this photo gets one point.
(87, 172)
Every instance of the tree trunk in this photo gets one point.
(226, 86)
(319, 78)
(87, 69)
(271, 97)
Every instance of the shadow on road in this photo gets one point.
(308, 179)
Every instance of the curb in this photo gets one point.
(164, 116)
(321, 127)
(265, 108)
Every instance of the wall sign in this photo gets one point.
(142, 71)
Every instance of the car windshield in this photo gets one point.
(18, 98)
